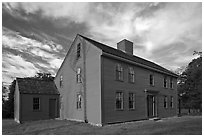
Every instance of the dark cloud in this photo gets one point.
(42, 28)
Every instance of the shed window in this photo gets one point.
(171, 83)
(165, 82)
(165, 102)
(78, 75)
(78, 50)
(78, 101)
(151, 79)
(131, 75)
(119, 72)
(131, 101)
(119, 100)
(61, 81)
(36, 103)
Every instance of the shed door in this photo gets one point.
(52, 108)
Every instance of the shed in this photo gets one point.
(35, 99)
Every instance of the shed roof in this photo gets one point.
(36, 86)
(119, 53)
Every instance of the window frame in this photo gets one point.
(152, 80)
(119, 72)
(61, 81)
(37, 104)
(121, 100)
(132, 101)
(171, 102)
(171, 83)
(165, 83)
(78, 75)
(79, 101)
(131, 75)
(165, 102)
(78, 50)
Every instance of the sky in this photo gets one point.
(37, 36)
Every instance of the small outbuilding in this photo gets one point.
(35, 99)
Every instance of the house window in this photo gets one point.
(78, 101)
(78, 75)
(165, 82)
(171, 83)
(151, 80)
(119, 72)
(61, 81)
(165, 102)
(36, 103)
(171, 103)
(131, 75)
(131, 101)
(78, 50)
(119, 100)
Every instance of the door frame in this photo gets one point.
(154, 106)
(55, 114)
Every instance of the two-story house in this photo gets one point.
(99, 84)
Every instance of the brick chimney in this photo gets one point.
(125, 46)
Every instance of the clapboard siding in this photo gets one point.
(111, 85)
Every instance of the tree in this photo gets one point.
(43, 76)
(8, 106)
(190, 84)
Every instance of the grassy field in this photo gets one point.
(185, 125)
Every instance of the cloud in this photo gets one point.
(165, 33)
(16, 66)
(75, 11)
(24, 57)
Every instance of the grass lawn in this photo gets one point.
(185, 125)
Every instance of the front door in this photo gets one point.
(52, 108)
(151, 106)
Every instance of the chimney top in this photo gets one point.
(125, 46)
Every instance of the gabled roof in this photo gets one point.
(35, 86)
(119, 53)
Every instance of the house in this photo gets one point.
(99, 84)
(35, 100)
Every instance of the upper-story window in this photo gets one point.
(119, 72)
(131, 75)
(119, 100)
(131, 101)
(61, 81)
(78, 50)
(151, 79)
(165, 81)
(78, 75)
(171, 82)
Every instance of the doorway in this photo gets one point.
(52, 108)
(151, 106)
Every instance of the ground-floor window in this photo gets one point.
(119, 100)
(79, 101)
(171, 103)
(131, 101)
(36, 103)
(165, 102)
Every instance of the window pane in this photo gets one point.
(119, 100)
(36, 103)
